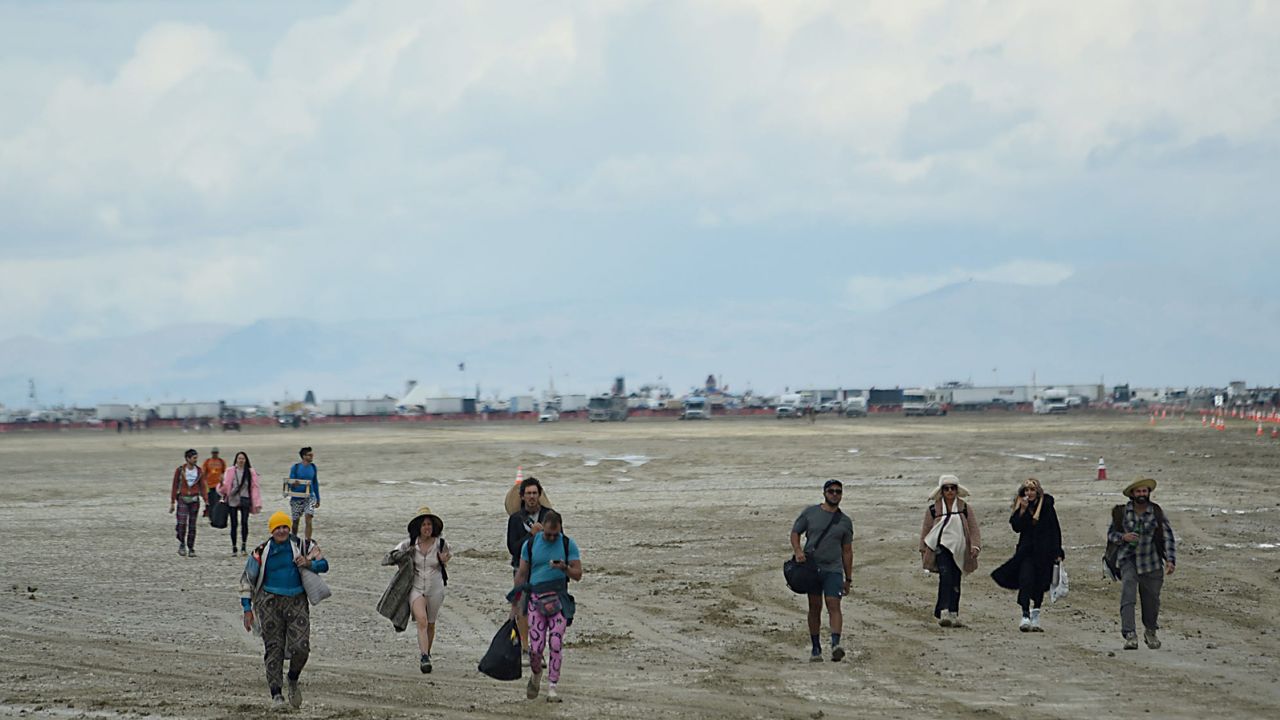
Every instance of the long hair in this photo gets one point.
(1022, 488)
(246, 475)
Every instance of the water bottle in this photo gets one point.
(1139, 530)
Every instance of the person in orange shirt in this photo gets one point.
(214, 468)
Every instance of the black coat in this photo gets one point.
(1041, 542)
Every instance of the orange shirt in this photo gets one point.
(214, 467)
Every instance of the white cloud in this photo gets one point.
(870, 293)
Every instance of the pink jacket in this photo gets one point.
(255, 487)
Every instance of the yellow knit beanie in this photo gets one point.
(279, 518)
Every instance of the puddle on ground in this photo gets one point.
(1071, 443)
(853, 451)
(920, 458)
(1254, 546)
(388, 482)
(1025, 456)
(632, 460)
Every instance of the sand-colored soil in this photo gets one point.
(682, 613)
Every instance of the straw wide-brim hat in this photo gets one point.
(1148, 483)
(513, 501)
(961, 491)
(424, 513)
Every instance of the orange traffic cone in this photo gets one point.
(1275, 433)
(1259, 429)
(519, 474)
(1204, 420)
(1102, 470)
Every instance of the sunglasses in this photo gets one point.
(950, 487)
(837, 491)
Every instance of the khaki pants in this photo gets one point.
(1134, 586)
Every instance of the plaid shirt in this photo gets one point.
(1145, 557)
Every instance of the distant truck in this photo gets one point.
(607, 408)
(696, 408)
(855, 407)
(920, 402)
(1054, 402)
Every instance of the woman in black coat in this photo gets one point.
(1030, 570)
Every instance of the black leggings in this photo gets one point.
(242, 514)
(949, 576)
(1027, 579)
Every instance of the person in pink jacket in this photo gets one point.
(242, 489)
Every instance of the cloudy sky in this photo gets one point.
(167, 163)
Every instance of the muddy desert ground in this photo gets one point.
(683, 612)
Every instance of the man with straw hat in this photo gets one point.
(526, 506)
(1147, 554)
(274, 601)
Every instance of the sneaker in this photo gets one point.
(234, 551)
(244, 552)
(1025, 625)
(552, 697)
(837, 653)
(182, 550)
(277, 700)
(531, 690)
(425, 664)
(816, 655)
(955, 620)
(1149, 636)
(944, 618)
(295, 695)
(1131, 642)
(1035, 621)
(191, 552)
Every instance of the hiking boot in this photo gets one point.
(182, 550)
(955, 620)
(1035, 621)
(425, 664)
(1025, 625)
(191, 552)
(295, 694)
(837, 653)
(816, 655)
(1149, 636)
(552, 697)
(1131, 642)
(277, 700)
(944, 618)
(531, 690)
(234, 551)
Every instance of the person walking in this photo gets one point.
(1030, 570)
(1148, 552)
(526, 507)
(950, 531)
(548, 561)
(187, 491)
(303, 489)
(274, 602)
(241, 487)
(418, 587)
(213, 469)
(828, 542)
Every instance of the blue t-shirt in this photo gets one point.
(308, 475)
(540, 570)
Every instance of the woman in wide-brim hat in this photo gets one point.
(419, 586)
(949, 545)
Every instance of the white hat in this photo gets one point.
(961, 491)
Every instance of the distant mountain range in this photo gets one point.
(1142, 330)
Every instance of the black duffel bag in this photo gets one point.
(802, 577)
(218, 515)
(502, 662)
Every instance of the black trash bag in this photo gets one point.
(218, 515)
(802, 578)
(502, 662)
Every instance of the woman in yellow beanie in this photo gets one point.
(274, 599)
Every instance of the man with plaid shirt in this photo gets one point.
(1147, 554)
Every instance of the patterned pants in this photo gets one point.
(188, 514)
(544, 631)
(286, 631)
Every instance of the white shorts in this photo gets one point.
(435, 599)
